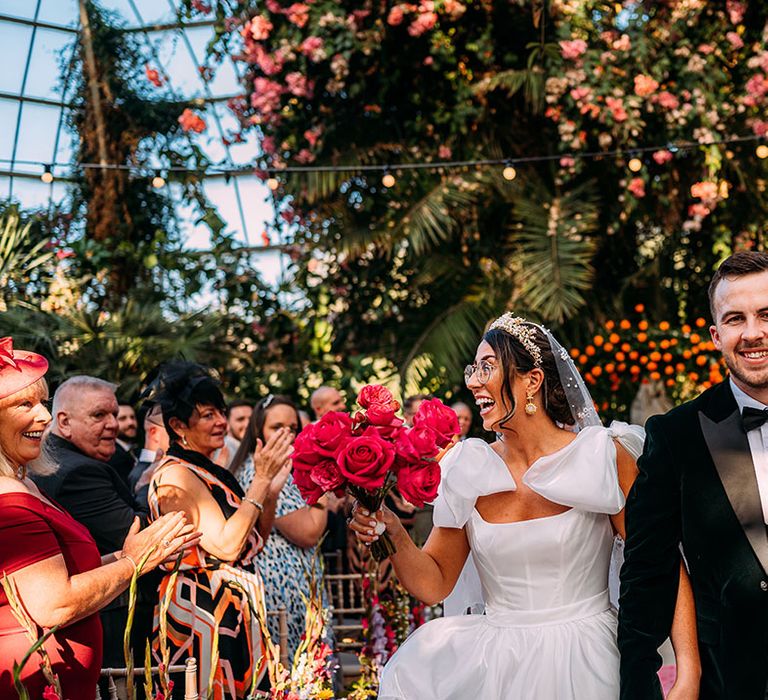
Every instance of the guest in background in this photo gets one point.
(50, 558)
(464, 414)
(304, 418)
(218, 580)
(81, 441)
(325, 399)
(290, 548)
(124, 459)
(411, 405)
(155, 446)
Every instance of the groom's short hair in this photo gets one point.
(737, 265)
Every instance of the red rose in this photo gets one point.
(365, 460)
(327, 476)
(424, 441)
(380, 414)
(330, 432)
(418, 484)
(305, 450)
(375, 394)
(309, 490)
(436, 416)
(406, 453)
(390, 430)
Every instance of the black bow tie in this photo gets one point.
(752, 418)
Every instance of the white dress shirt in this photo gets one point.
(758, 445)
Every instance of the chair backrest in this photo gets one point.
(189, 670)
(282, 626)
(345, 595)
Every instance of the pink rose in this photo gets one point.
(662, 157)
(418, 484)
(260, 28)
(330, 432)
(706, 191)
(571, 50)
(327, 476)
(617, 108)
(365, 460)
(298, 14)
(396, 15)
(298, 85)
(734, 40)
(423, 23)
(736, 10)
(375, 394)
(760, 128)
(645, 85)
(436, 416)
(312, 48)
(698, 211)
(637, 187)
(667, 100)
(444, 152)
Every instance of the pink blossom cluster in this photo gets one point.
(192, 121)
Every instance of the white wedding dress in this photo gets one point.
(549, 630)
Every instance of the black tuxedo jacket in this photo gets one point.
(122, 462)
(696, 488)
(92, 492)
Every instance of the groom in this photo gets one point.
(703, 491)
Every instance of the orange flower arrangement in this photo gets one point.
(628, 353)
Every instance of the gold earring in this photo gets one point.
(186, 444)
(530, 407)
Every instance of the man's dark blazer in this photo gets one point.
(123, 461)
(697, 487)
(92, 492)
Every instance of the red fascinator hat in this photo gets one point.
(18, 368)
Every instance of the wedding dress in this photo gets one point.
(549, 629)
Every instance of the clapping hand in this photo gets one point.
(169, 535)
(270, 458)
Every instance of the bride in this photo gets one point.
(537, 510)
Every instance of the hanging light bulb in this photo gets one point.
(509, 172)
(388, 180)
(47, 176)
(273, 183)
(635, 165)
(158, 180)
(762, 151)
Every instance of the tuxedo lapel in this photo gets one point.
(729, 448)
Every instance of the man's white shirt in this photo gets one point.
(758, 444)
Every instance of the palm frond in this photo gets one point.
(445, 344)
(18, 255)
(553, 249)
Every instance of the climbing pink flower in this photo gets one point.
(260, 28)
(637, 187)
(662, 157)
(571, 50)
(645, 85)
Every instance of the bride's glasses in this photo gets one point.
(482, 370)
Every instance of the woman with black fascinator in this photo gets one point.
(218, 579)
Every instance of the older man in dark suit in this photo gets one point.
(81, 441)
(702, 494)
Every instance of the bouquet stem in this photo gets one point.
(382, 548)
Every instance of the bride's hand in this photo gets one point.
(368, 527)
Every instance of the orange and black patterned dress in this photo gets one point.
(210, 599)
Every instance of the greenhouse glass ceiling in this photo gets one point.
(37, 38)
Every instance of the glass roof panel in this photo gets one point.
(165, 49)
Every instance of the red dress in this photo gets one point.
(31, 531)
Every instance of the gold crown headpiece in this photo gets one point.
(523, 330)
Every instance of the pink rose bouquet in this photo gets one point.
(370, 452)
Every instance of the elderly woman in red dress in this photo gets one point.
(49, 558)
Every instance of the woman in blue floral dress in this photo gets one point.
(290, 548)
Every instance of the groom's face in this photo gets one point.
(740, 331)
